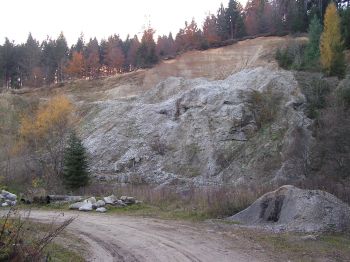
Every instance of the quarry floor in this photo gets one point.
(125, 238)
(112, 237)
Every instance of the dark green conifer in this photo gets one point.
(75, 172)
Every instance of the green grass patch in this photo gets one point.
(331, 247)
(58, 253)
(159, 212)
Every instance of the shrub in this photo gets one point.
(18, 244)
(284, 58)
(316, 93)
(344, 97)
(292, 56)
(263, 105)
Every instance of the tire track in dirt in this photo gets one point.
(132, 239)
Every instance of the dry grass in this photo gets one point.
(206, 202)
(22, 240)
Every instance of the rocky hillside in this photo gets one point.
(237, 130)
(222, 116)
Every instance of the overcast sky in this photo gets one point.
(99, 18)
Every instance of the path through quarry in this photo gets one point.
(122, 238)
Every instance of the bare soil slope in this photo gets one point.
(213, 64)
(216, 64)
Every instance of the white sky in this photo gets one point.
(99, 18)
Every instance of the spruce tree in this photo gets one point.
(331, 46)
(75, 172)
(313, 47)
(345, 21)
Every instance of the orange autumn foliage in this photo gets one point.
(75, 67)
(46, 131)
(56, 114)
(331, 43)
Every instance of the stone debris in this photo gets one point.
(76, 205)
(7, 199)
(292, 209)
(100, 205)
(87, 206)
(101, 210)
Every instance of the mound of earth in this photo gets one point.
(293, 209)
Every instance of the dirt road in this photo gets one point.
(122, 238)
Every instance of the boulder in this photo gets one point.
(101, 210)
(120, 203)
(110, 199)
(128, 200)
(8, 195)
(92, 200)
(11, 203)
(100, 203)
(76, 206)
(123, 198)
(4, 204)
(293, 209)
(87, 206)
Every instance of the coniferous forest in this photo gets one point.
(35, 64)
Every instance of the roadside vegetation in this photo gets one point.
(24, 240)
(300, 247)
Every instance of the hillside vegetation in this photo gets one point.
(248, 123)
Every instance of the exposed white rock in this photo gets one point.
(110, 199)
(101, 210)
(7, 195)
(92, 200)
(199, 131)
(76, 205)
(87, 206)
(120, 203)
(99, 203)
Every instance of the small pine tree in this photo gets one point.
(313, 47)
(345, 21)
(331, 45)
(75, 172)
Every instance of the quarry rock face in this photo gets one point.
(201, 132)
(293, 209)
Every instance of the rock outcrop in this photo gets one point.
(202, 132)
(293, 209)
